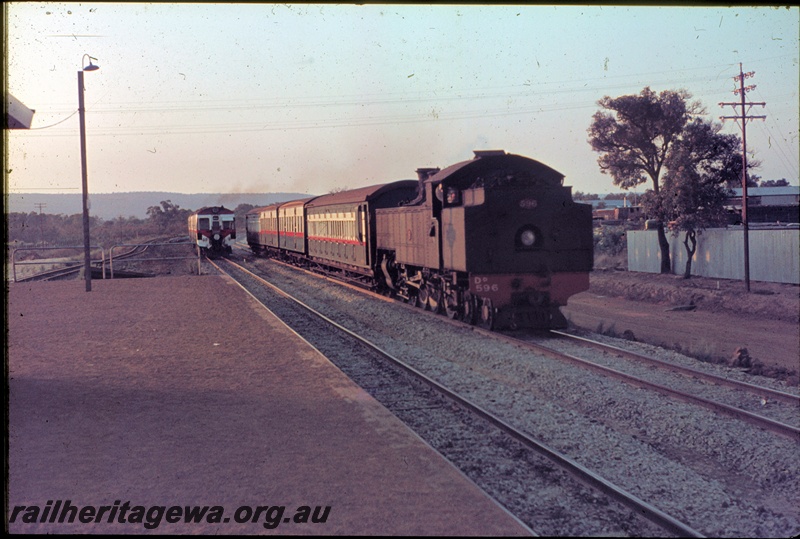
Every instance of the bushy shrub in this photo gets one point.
(609, 240)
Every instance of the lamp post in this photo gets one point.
(87, 270)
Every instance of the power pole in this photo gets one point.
(41, 205)
(742, 90)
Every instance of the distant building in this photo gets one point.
(767, 196)
(618, 214)
(18, 116)
(767, 204)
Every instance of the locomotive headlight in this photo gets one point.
(527, 238)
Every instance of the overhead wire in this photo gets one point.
(510, 94)
(496, 92)
(766, 128)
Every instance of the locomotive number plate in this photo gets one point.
(528, 203)
(499, 286)
(483, 285)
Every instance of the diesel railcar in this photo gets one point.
(213, 230)
(496, 240)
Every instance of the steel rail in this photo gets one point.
(646, 510)
(754, 419)
(759, 390)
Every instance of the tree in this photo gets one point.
(168, 218)
(580, 195)
(635, 134)
(693, 192)
(783, 182)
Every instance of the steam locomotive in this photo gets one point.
(495, 241)
(213, 230)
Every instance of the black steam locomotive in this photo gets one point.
(496, 240)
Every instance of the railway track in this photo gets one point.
(787, 404)
(688, 392)
(766, 392)
(72, 269)
(53, 274)
(501, 435)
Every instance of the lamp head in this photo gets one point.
(91, 66)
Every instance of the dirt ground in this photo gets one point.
(712, 319)
(140, 392)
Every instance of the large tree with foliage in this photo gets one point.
(693, 192)
(169, 218)
(663, 138)
(635, 134)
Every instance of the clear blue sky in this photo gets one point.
(230, 97)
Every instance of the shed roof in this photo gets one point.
(18, 116)
(767, 191)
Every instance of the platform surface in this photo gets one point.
(153, 397)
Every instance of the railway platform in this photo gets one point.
(179, 405)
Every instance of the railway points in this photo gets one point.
(158, 392)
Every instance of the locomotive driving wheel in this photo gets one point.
(468, 309)
(435, 296)
(451, 304)
(422, 297)
(486, 314)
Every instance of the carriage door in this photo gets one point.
(361, 225)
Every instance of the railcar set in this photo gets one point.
(496, 240)
(213, 230)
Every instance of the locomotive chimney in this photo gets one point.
(425, 173)
(422, 175)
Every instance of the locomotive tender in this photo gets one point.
(213, 230)
(496, 240)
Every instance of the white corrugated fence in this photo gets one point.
(774, 253)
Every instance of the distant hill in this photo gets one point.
(109, 206)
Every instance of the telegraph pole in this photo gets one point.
(742, 90)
